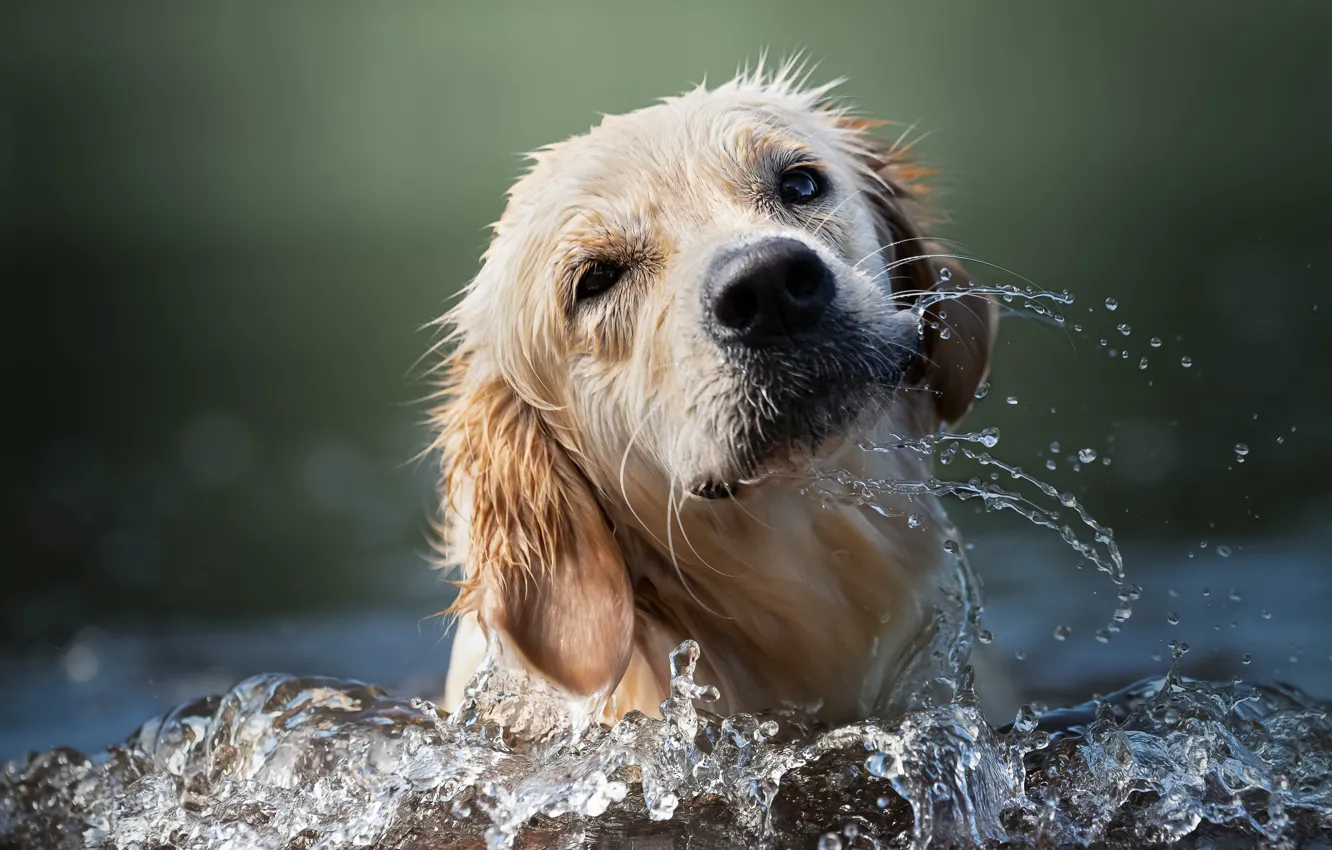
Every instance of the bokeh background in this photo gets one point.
(224, 227)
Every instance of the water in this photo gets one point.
(302, 762)
(281, 761)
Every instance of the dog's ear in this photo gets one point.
(959, 332)
(540, 564)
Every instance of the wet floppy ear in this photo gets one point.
(959, 332)
(957, 353)
(542, 569)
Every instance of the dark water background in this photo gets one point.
(223, 226)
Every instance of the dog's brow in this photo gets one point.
(630, 243)
(769, 146)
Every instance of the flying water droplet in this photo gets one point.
(983, 390)
(1224, 551)
(1012, 399)
(1172, 618)
(985, 636)
(1087, 455)
(1155, 342)
(1142, 364)
(1062, 631)
(1111, 304)
(1186, 361)
(1124, 328)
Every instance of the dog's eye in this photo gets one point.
(596, 279)
(800, 186)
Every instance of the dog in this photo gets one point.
(687, 320)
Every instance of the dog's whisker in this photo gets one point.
(675, 561)
(834, 210)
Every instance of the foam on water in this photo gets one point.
(281, 761)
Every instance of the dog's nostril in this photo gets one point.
(736, 307)
(805, 278)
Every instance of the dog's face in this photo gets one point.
(705, 278)
(680, 302)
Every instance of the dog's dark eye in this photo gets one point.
(596, 279)
(800, 186)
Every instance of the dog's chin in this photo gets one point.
(798, 443)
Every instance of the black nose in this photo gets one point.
(768, 292)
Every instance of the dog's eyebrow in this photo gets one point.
(769, 147)
(628, 244)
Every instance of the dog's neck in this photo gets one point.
(796, 592)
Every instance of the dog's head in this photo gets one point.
(682, 301)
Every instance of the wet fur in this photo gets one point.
(573, 438)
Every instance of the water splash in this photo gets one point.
(1101, 551)
(281, 762)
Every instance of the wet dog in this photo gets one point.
(686, 318)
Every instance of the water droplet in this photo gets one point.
(1054, 447)
(1207, 591)
(1224, 551)
(1142, 364)
(1234, 594)
(884, 802)
(1186, 361)
(1087, 455)
(1077, 327)
(945, 274)
(1020, 655)
(983, 390)
(1111, 304)
(951, 547)
(1062, 631)
(985, 636)
(830, 841)
(1012, 399)
(1155, 342)
(1247, 659)
(1103, 635)
(1266, 614)
(1172, 618)
(913, 521)
(880, 765)
(1241, 449)
(1125, 329)
(1051, 465)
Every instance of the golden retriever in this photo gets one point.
(686, 318)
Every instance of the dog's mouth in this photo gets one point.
(797, 400)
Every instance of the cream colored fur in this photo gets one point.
(572, 438)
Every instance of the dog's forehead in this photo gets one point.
(683, 145)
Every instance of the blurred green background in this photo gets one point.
(225, 224)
